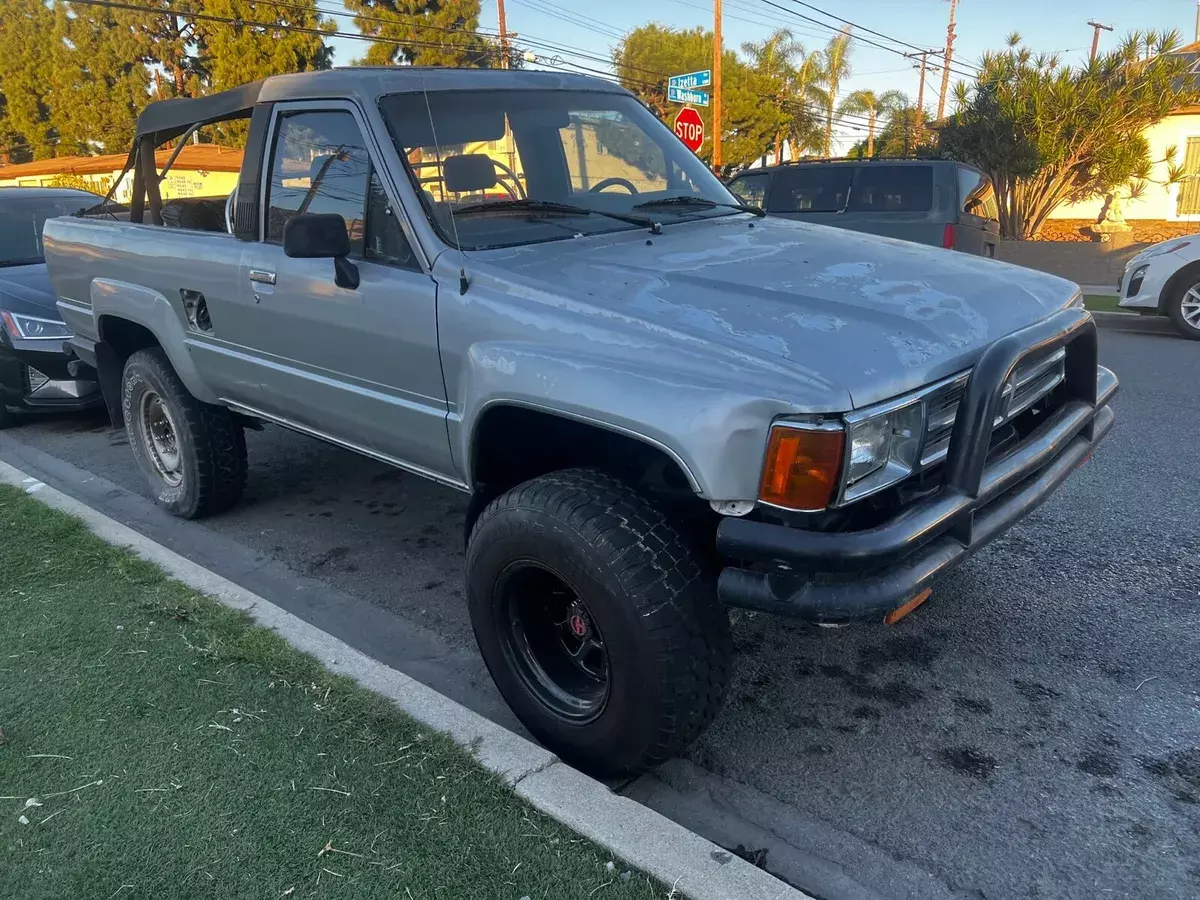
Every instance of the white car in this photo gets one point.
(1165, 278)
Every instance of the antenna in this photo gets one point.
(463, 284)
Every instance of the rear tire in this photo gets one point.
(578, 556)
(193, 454)
(1184, 310)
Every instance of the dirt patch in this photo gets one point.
(972, 704)
(968, 761)
(1099, 764)
(1034, 692)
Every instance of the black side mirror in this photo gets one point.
(321, 236)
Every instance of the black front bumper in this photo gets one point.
(837, 577)
(64, 392)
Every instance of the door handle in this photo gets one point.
(262, 277)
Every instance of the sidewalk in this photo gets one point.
(156, 744)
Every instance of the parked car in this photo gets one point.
(34, 368)
(928, 201)
(659, 402)
(1165, 280)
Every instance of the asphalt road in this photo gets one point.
(1032, 731)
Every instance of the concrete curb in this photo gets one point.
(636, 834)
(1132, 321)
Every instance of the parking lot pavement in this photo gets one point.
(1032, 731)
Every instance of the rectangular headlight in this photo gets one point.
(884, 448)
(33, 328)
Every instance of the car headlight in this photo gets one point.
(883, 448)
(811, 465)
(31, 328)
(1163, 250)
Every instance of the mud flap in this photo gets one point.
(109, 369)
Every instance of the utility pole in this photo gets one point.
(924, 54)
(950, 36)
(716, 97)
(503, 35)
(1096, 28)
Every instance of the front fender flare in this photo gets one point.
(154, 312)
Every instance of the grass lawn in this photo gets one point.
(160, 746)
(1102, 303)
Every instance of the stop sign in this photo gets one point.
(689, 128)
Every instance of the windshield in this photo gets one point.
(21, 221)
(500, 156)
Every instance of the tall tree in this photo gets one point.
(26, 64)
(96, 86)
(809, 98)
(869, 103)
(239, 54)
(774, 59)
(645, 56)
(836, 69)
(424, 32)
(1048, 134)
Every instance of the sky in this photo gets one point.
(595, 27)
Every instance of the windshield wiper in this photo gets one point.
(549, 206)
(702, 202)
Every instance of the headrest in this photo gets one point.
(469, 172)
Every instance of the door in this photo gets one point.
(978, 213)
(358, 366)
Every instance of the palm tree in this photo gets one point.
(865, 101)
(773, 58)
(836, 67)
(804, 131)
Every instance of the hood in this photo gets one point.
(27, 290)
(876, 316)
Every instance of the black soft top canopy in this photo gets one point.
(167, 119)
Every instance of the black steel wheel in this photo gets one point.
(598, 619)
(551, 641)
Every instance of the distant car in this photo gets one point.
(928, 201)
(1165, 280)
(33, 362)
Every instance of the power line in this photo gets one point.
(855, 37)
(572, 18)
(886, 37)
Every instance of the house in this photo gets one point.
(200, 170)
(1162, 211)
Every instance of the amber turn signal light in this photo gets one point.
(801, 468)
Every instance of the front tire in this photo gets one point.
(192, 454)
(598, 621)
(1184, 310)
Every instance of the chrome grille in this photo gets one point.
(1030, 382)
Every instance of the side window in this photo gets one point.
(977, 195)
(751, 189)
(882, 188)
(319, 164)
(385, 240)
(811, 189)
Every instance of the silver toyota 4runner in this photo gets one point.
(523, 286)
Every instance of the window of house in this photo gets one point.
(1188, 203)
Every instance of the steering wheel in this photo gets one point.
(613, 182)
(229, 209)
